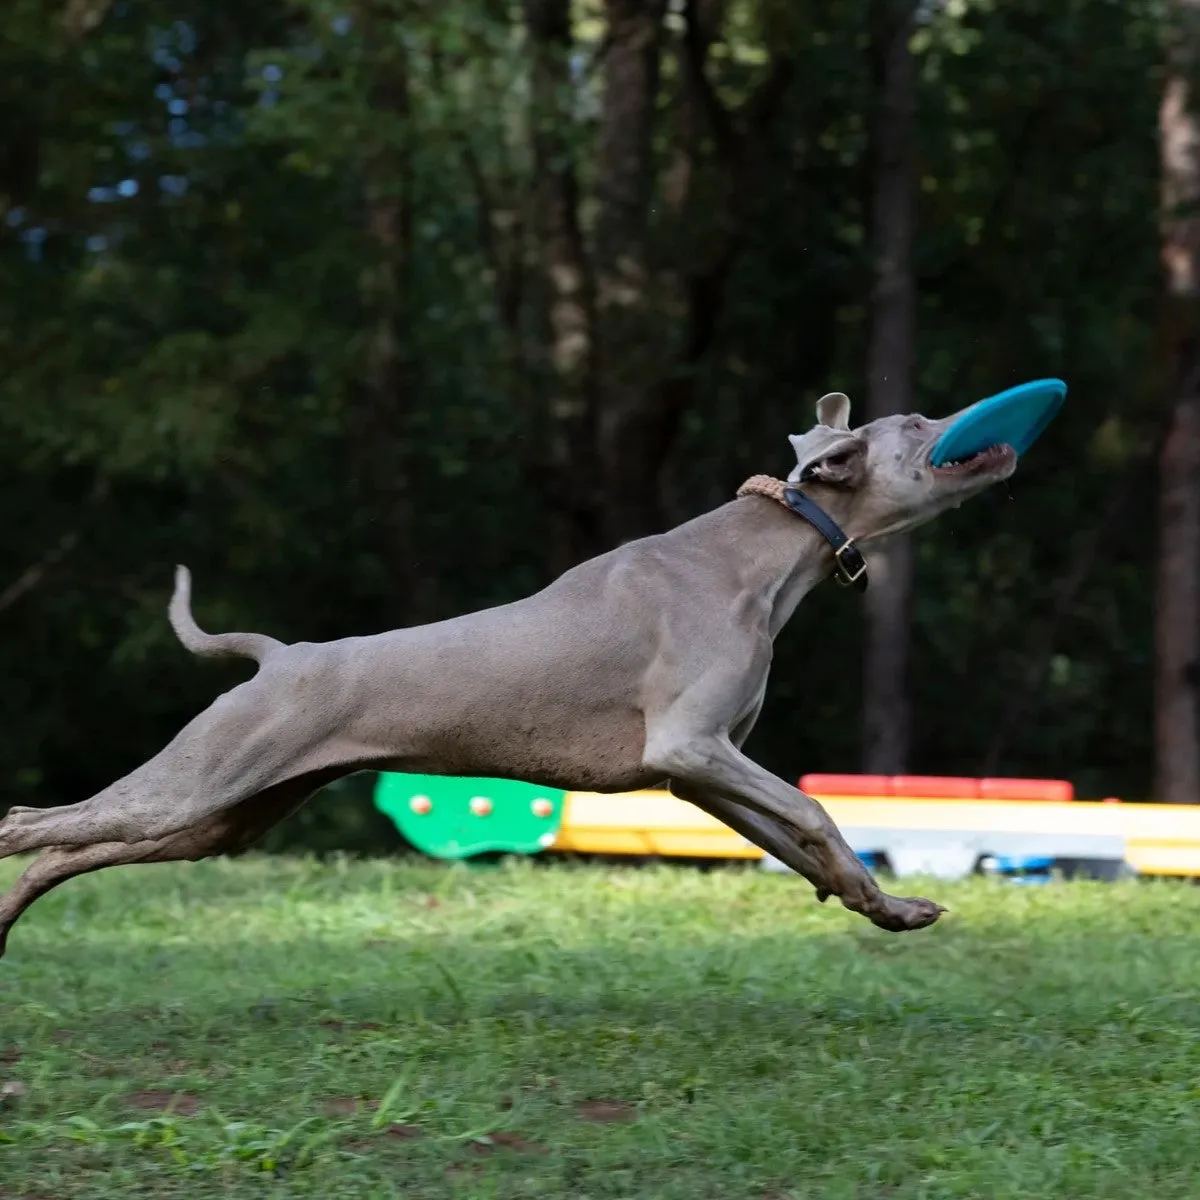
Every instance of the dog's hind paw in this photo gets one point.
(15, 828)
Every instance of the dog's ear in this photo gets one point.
(824, 455)
(833, 410)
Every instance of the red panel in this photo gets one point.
(935, 786)
(846, 785)
(1026, 789)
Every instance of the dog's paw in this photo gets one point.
(898, 914)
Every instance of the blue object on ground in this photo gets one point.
(1009, 862)
(1014, 418)
(1025, 869)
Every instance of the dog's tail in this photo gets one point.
(212, 645)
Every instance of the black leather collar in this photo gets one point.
(850, 568)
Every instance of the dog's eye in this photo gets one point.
(914, 423)
(840, 459)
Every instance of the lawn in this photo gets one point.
(277, 1027)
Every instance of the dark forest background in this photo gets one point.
(375, 312)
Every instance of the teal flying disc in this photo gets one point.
(1013, 418)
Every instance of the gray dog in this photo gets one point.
(644, 666)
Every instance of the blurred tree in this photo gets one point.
(1177, 681)
(571, 478)
(890, 352)
(637, 258)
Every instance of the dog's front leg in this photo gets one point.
(711, 771)
(766, 832)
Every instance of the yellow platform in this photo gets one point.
(645, 823)
(1161, 839)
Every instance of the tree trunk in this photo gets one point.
(889, 375)
(571, 476)
(631, 431)
(379, 417)
(1177, 632)
(1177, 644)
(625, 364)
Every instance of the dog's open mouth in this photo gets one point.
(993, 456)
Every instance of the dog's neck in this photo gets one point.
(776, 553)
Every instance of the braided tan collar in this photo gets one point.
(764, 485)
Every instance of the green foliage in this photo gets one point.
(185, 365)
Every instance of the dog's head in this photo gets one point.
(878, 479)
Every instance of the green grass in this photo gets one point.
(381, 1029)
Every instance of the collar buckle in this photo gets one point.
(849, 566)
(845, 575)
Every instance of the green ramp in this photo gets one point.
(448, 817)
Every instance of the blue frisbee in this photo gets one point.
(1013, 418)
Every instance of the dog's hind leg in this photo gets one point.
(228, 831)
(245, 743)
(190, 781)
(21, 828)
(60, 863)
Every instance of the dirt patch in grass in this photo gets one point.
(401, 1131)
(607, 1112)
(337, 1024)
(180, 1104)
(398, 1131)
(504, 1140)
(347, 1106)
